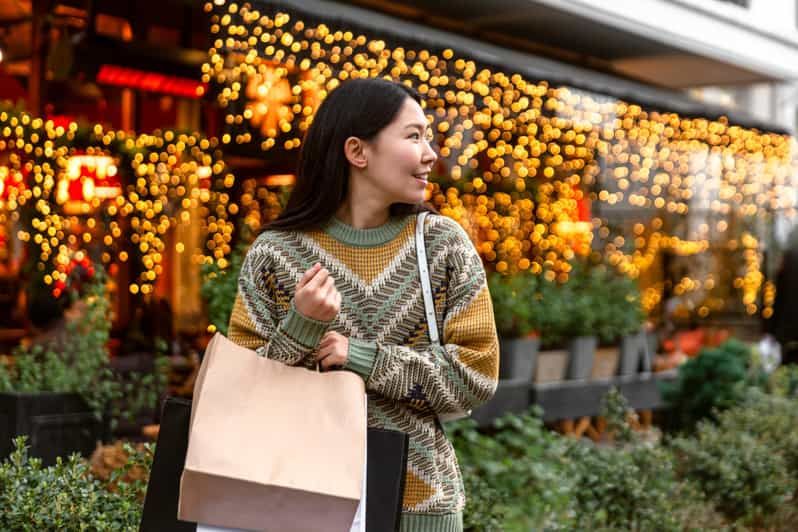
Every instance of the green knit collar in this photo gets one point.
(371, 237)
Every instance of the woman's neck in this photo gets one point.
(367, 215)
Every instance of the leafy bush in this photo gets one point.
(621, 312)
(524, 464)
(595, 301)
(784, 381)
(771, 420)
(629, 486)
(79, 364)
(712, 381)
(625, 489)
(555, 317)
(741, 475)
(65, 496)
(219, 288)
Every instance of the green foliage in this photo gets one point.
(615, 409)
(595, 301)
(621, 312)
(743, 477)
(772, 420)
(219, 287)
(65, 496)
(625, 489)
(712, 381)
(515, 308)
(79, 364)
(520, 476)
(523, 464)
(784, 381)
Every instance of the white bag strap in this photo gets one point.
(429, 307)
(426, 287)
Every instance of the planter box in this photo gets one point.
(551, 365)
(605, 363)
(57, 424)
(581, 351)
(517, 358)
(512, 396)
(573, 399)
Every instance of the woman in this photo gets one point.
(334, 280)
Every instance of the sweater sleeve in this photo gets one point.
(454, 377)
(253, 321)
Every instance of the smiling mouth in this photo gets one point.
(422, 177)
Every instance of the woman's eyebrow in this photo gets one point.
(417, 125)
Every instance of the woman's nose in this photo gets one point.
(429, 156)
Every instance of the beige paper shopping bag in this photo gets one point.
(272, 447)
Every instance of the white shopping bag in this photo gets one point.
(359, 523)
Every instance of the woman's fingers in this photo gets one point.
(318, 280)
(331, 360)
(308, 275)
(327, 289)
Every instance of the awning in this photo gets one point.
(399, 32)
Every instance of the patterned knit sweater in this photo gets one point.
(408, 380)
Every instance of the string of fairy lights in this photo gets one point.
(533, 172)
(538, 175)
(68, 178)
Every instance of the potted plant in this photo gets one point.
(62, 393)
(514, 310)
(630, 326)
(580, 299)
(552, 322)
(618, 324)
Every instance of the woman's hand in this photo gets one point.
(316, 296)
(333, 351)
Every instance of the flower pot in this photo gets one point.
(651, 346)
(551, 366)
(632, 350)
(56, 424)
(517, 358)
(605, 363)
(581, 351)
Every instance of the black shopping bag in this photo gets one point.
(385, 474)
(163, 489)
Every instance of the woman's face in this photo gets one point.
(400, 157)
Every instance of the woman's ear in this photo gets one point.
(355, 150)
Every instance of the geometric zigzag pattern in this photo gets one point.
(412, 381)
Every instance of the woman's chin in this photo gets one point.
(413, 200)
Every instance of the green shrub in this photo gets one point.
(80, 364)
(633, 488)
(65, 496)
(711, 382)
(595, 301)
(784, 381)
(523, 464)
(621, 312)
(219, 288)
(772, 420)
(743, 477)
(485, 511)
(629, 486)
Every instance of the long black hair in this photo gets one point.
(358, 108)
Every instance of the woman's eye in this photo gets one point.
(414, 136)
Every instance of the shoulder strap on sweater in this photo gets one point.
(423, 272)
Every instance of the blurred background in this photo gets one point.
(650, 141)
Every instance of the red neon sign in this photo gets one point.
(150, 81)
